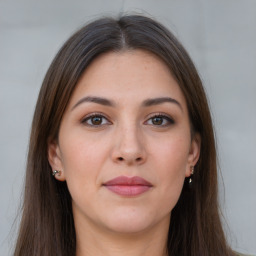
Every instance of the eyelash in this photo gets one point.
(99, 115)
(165, 118)
(169, 121)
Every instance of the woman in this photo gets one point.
(122, 157)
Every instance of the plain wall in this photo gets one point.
(220, 36)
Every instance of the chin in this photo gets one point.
(129, 226)
(129, 221)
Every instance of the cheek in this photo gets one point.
(171, 163)
(81, 152)
(82, 158)
(172, 154)
(82, 162)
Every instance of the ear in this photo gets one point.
(54, 158)
(194, 153)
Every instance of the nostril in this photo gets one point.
(138, 159)
(120, 159)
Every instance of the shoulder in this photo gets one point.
(240, 254)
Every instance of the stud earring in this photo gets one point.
(192, 168)
(190, 181)
(55, 172)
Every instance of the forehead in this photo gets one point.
(128, 75)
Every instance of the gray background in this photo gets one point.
(220, 36)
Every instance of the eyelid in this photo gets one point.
(163, 115)
(95, 114)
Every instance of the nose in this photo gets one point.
(129, 147)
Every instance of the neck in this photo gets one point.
(150, 242)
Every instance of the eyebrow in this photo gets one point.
(161, 100)
(145, 103)
(98, 100)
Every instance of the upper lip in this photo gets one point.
(128, 181)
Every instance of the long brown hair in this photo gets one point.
(47, 226)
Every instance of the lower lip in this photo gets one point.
(128, 190)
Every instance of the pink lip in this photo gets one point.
(128, 186)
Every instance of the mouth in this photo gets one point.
(128, 186)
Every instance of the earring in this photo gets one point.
(55, 172)
(190, 181)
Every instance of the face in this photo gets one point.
(125, 144)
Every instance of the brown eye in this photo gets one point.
(160, 120)
(95, 120)
(157, 120)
